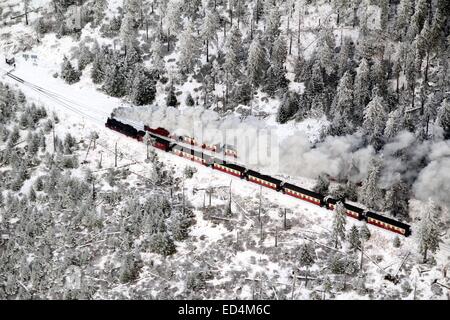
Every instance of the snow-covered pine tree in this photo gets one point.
(375, 122)
(325, 50)
(429, 237)
(346, 54)
(41, 26)
(405, 12)
(97, 73)
(338, 227)
(410, 69)
(157, 56)
(171, 100)
(99, 9)
(256, 63)
(342, 106)
(128, 32)
(378, 73)
(322, 184)
(172, 20)
(384, 14)
(351, 191)
(228, 212)
(134, 7)
(371, 194)
(316, 83)
(276, 78)
(179, 227)
(354, 238)
(115, 80)
(364, 232)
(189, 100)
(396, 199)
(129, 269)
(192, 8)
(288, 107)
(443, 118)
(209, 29)
(13, 136)
(306, 255)
(33, 143)
(68, 72)
(234, 42)
(396, 243)
(114, 25)
(188, 49)
(273, 24)
(418, 19)
(362, 89)
(143, 90)
(162, 244)
(299, 68)
(393, 124)
(339, 193)
(396, 73)
(84, 58)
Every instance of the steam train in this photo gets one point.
(162, 139)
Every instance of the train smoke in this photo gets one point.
(424, 164)
(434, 180)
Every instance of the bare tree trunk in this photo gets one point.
(101, 158)
(93, 190)
(238, 13)
(168, 40)
(276, 237)
(260, 203)
(257, 9)
(226, 92)
(362, 255)
(54, 137)
(115, 155)
(261, 231)
(290, 43)
(251, 29)
(425, 253)
(231, 17)
(306, 277)
(184, 201)
(298, 32)
(293, 285)
(224, 31)
(397, 85)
